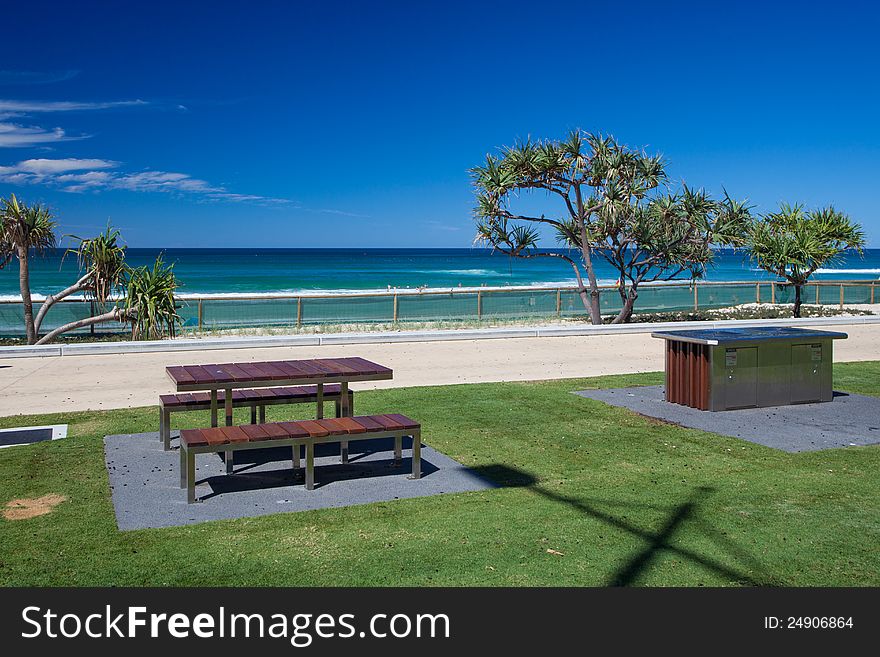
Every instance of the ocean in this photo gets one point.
(254, 271)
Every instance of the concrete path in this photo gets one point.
(71, 383)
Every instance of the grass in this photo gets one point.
(589, 495)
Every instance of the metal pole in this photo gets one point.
(841, 296)
(873, 287)
(696, 301)
(394, 317)
(773, 292)
(558, 303)
(299, 312)
(479, 305)
(200, 314)
(757, 293)
(817, 293)
(92, 314)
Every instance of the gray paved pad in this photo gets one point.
(847, 421)
(144, 481)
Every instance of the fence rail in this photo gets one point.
(469, 304)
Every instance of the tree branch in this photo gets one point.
(52, 298)
(113, 315)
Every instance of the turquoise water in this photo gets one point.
(243, 271)
(227, 275)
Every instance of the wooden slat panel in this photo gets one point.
(274, 430)
(406, 422)
(193, 437)
(218, 374)
(705, 378)
(370, 366)
(294, 429)
(314, 428)
(179, 375)
(236, 372)
(333, 425)
(255, 373)
(350, 425)
(235, 434)
(309, 369)
(326, 366)
(389, 423)
(291, 369)
(368, 423)
(215, 436)
(255, 432)
(340, 365)
(199, 374)
(270, 372)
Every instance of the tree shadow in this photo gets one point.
(657, 541)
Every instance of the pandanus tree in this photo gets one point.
(793, 243)
(141, 297)
(612, 207)
(24, 230)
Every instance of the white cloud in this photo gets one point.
(33, 106)
(13, 135)
(46, 166)
(83, 175)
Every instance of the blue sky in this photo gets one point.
(301, 124)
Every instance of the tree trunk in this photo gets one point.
(797, 300)
(113, 315)
(24, 284)
(52, 299)
(629, 301)
(593, 303)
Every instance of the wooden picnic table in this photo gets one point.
(316, 371)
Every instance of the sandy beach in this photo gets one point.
(73, 383)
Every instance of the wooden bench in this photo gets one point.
(256, 399)
(296, 434)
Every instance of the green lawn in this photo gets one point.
(589, 495)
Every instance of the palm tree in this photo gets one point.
(149, 303)
(101, 261)
(793, 243)
(142, 297)
(612, 207)
(25, 229)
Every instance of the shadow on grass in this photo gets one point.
(656, 541)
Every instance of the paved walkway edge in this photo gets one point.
(378, 337)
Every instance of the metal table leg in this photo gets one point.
(213, 407)
(310, 465)
(416, 456)
(398, 451)
(190, 477)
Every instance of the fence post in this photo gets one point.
(773, 292)
(841, 296)
(479, 304)
(92, 314)
(559, 303)
(394, 317)
(817, 293)
(696, 298)
(200, 314)
(299, 311)
(873, 287)
(757, 293)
